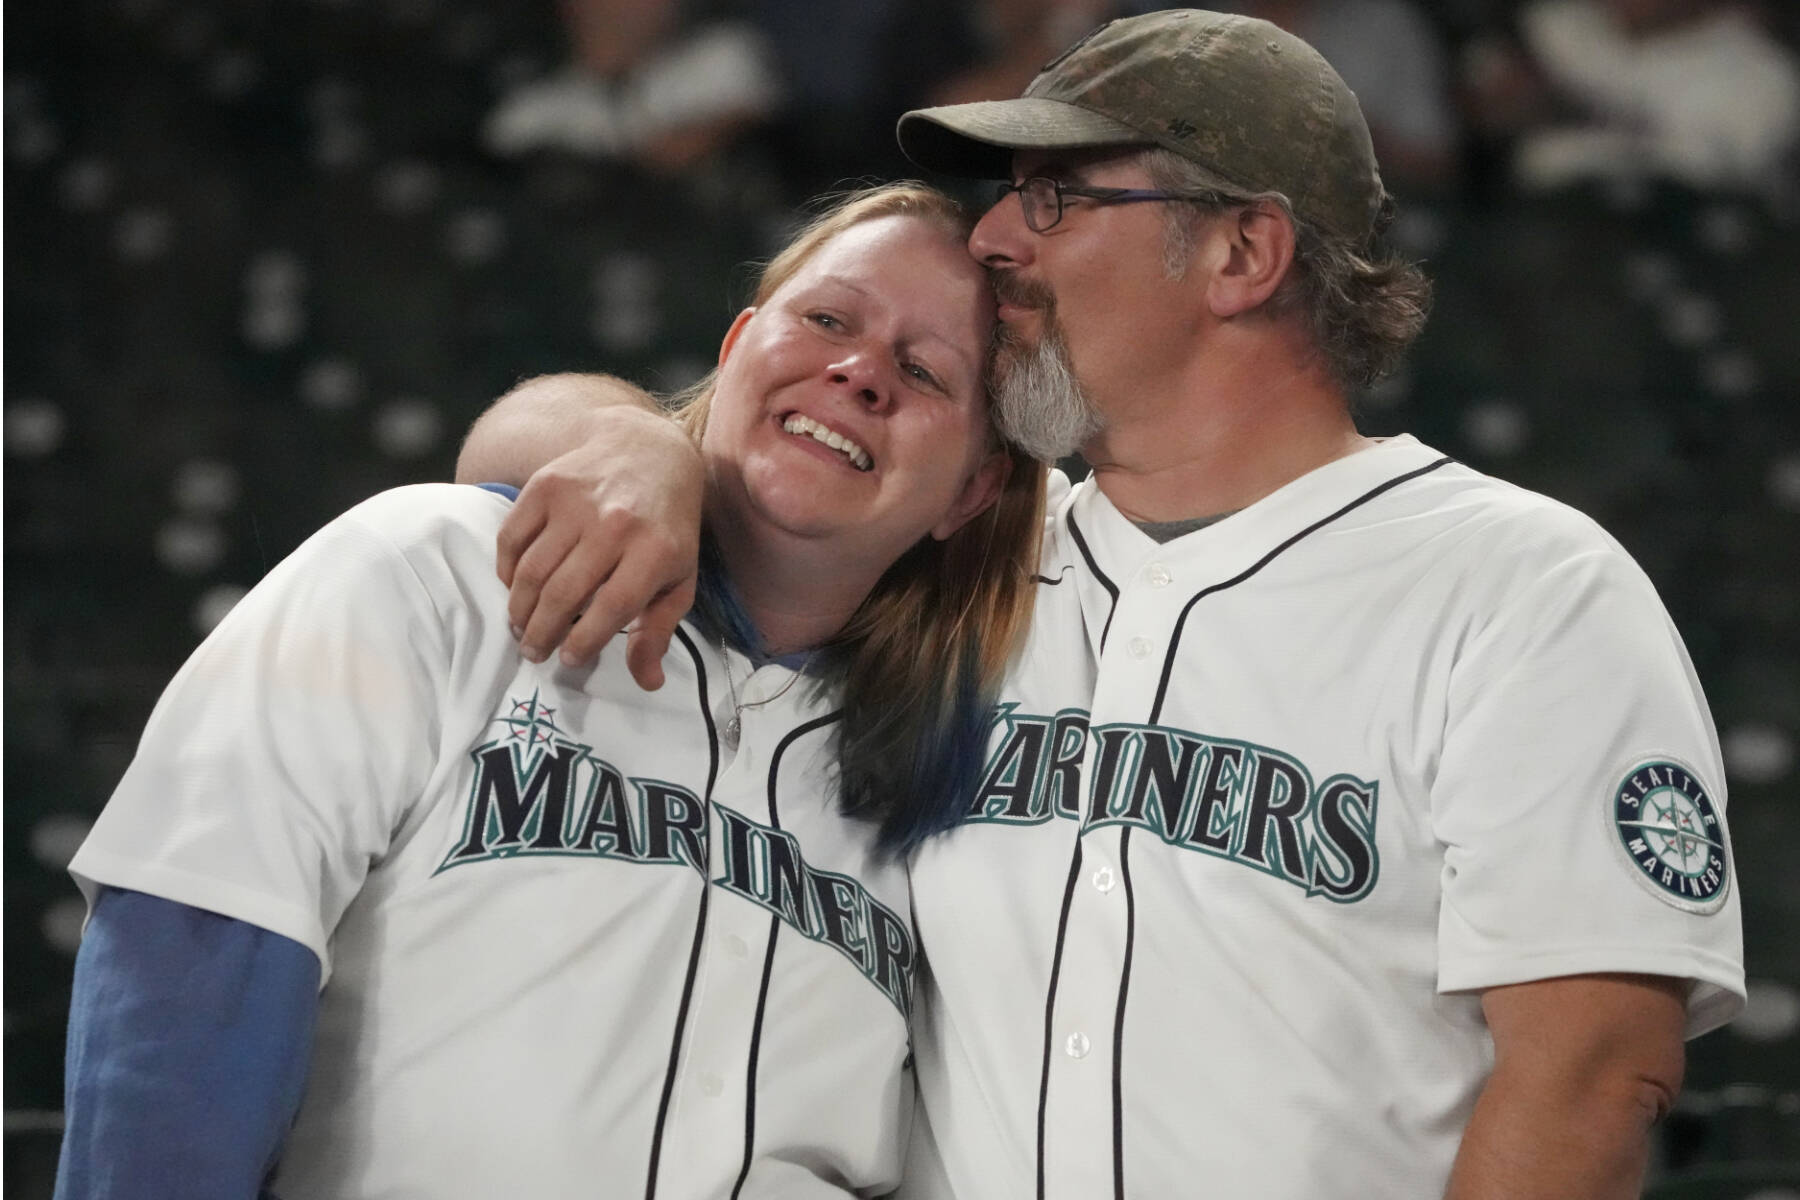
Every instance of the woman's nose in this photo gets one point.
(862, 375)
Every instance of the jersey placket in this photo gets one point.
(704, 1140)
(1083, 1130)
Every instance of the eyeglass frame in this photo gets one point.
(1099, 195)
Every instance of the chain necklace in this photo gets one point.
(734, 725)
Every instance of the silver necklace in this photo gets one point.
(734, 725)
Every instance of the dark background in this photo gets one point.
(258, 267)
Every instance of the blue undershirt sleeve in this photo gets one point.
(189, 1038)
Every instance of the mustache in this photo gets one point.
(1009, 288)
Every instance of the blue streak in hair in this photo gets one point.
(718, 610)
(945, 768)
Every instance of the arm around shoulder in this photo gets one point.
(606, 531)
(544, 417)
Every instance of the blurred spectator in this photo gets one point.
(646, 81)
(847, 69)
(1396, 63)
(1014, 39)
(1690, 90)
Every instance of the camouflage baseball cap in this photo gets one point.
(1251, 105)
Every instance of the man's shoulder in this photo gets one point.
(1501, 514)
(1503, 540)
(1400, 492)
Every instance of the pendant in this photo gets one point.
(734, 729)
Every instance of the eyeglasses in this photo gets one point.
(1042, 198)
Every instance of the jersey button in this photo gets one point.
(1103, 880)
(1139, 647)
(711, 1084)
(1158, 575)
(737, 946)
(1077, 1045)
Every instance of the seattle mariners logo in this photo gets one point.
(537, 792)
(1671, 831)
(1250, 804)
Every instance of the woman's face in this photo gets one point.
(850, 406)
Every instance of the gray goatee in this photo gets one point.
(1038, 403)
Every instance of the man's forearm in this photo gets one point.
(605, 533)
(1588, 1143)
(1584, 1066)
(539, 420)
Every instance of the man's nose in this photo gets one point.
(1001, 238)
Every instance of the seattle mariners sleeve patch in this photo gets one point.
(1672, 834)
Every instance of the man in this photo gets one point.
(1352, 822)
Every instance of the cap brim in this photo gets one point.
(977, 140)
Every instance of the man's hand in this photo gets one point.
(606, 536)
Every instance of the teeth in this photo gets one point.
(859, 458)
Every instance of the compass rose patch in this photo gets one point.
(1673, 834)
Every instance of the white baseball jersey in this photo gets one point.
(1270, 804)
(575, 945)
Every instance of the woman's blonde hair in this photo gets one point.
(919, 665)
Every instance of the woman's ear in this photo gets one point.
(731, 335)
(982, 490)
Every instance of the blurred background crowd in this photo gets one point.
(266, 257)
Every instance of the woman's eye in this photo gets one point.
(923, 375)
(825, 321)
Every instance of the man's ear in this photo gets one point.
(982, 490)
(1257, 254)
(731, 335)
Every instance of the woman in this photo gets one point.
(561, 937)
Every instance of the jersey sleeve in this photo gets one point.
(189, 1035)
(1571, 704)
(280, 760)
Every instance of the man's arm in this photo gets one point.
(606, 530)
(1583, 1067)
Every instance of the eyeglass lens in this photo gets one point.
(1040, 199)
